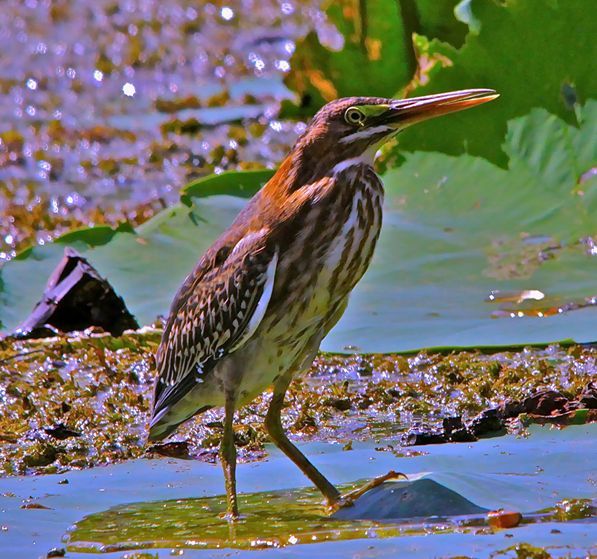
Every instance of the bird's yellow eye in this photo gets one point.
(354, 116)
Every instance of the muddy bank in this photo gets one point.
(75, 402)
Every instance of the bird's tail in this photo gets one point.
(164, 424)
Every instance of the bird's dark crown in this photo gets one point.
(341, 119)
(343, 129)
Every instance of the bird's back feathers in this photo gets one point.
(217, 309)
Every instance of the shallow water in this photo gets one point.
(528, 475)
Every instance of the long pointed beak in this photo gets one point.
(405, 112)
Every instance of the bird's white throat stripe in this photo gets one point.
(366, 133)
(366, 158)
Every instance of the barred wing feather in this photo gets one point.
(213, 314)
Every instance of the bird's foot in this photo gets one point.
(349, 498)
(231, 517)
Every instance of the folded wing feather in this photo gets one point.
(215, 312)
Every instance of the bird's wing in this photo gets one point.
(214, 313)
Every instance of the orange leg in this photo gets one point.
(228, 459)
(273, 425)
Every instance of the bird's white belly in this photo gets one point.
(289, 336)
(345, 260)
(285, 339)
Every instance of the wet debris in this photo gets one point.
(544, 406)
(553, 404)
(75, 298)
(574, 509)
(341, 404)
(174, 449)
(503, 518)
(545, 402)
(35, 506)
(61, 432)
(40, 455)
(588, 396)
(485, 424)
(417, 436)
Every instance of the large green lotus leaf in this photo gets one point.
(455, 230)
(535, 54)
(436, 19)
(376, 59)
(168, 501)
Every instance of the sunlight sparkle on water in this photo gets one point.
(227, 13)
(287, 8)
(129, 89)
(282, 65)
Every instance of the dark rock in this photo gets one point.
(75, 298)
(56, 552)
(462, 436)
(452, 424)
(416, 437)
(61, 432)
(544, 402)
(409, 499)
(488, 421)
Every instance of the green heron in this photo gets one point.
(255, 309)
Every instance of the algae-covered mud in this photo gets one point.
(76, 402)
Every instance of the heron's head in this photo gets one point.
(354, 126)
